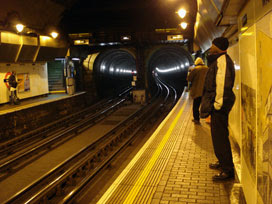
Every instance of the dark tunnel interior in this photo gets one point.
(114, 69)
(171, 65)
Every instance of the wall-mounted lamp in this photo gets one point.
(182, 13)
(54, 34)
(183, 25)
(20, 27)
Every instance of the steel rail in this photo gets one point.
(10, 146)
(59, 167)
(69, 198)
(77, 128)
(124, 137)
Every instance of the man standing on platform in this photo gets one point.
(13, 88)
(197, 78)
(217, 101)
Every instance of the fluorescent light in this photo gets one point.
(166, 70)
(125, 37)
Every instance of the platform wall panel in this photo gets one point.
(255, 43)
(264, 109)
(37, 77)
(235, 114)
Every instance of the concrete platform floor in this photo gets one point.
(185, 177)
(26, 103)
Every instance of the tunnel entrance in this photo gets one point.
(113, 71)
(170, 64)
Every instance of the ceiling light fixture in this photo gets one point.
(182, 13)
(183, 25)
(54, 34)
(20, 27)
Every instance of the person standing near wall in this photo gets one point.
(13, 88)
(217, 101)
(197, 78)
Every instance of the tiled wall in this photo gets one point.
(37, 75)
(253, 89)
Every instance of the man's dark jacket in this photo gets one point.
(12, 81)
(217, 93)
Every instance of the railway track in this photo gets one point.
(65, 181)
(19, 151)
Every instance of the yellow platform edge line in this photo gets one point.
(137, 186)
(120, 178)
(59, 91)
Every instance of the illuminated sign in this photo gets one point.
(174, 37)
(166, 30)
(81, 42)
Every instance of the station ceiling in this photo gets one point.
(127, 15)
(111, 17)
(98, 16)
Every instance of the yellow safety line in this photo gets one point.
(137, 186)
(60, 91)
(113, 187)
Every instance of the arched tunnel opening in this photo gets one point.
(114, 69)
(170, 64)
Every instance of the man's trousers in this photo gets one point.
(220, 138)
(196, 105)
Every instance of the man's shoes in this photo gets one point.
(196, 121)
(224, 176)
(215, 165)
